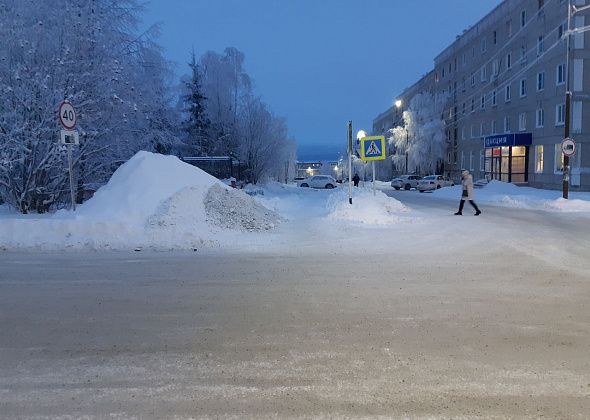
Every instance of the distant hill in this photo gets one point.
(320, 152)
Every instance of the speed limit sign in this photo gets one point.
(67, 115)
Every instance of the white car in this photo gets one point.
(318, 181)
(434, 182)
(406, 182)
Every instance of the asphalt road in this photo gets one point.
(500, 334)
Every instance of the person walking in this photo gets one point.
(467, 194)
(356, 180)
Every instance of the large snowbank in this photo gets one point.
(510, 195)
(151, 201)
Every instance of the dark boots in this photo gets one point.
(462, 203)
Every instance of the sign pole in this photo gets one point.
(350, 162)
(373, 162)
(72, 194)
(568, 95)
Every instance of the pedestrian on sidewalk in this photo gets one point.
(467, 193)
(356, 180)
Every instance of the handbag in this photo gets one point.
(464, 194)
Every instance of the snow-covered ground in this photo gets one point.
(509, 195)
(158, 202)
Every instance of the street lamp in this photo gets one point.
(398, 103)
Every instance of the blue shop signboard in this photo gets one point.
(511, 139)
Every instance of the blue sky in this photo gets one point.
(319, 63)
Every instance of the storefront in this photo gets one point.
(507, 157)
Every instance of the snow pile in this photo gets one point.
(151, 201)
(140, 186)
(366, 208)
(234, 209)
(509, 195)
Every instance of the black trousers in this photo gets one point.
(470, 202)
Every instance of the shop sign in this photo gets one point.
(509, 139)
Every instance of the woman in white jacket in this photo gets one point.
(467, 194)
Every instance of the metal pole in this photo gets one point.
(568, 96)
(72, 195)
(373, 162)
(350, 162)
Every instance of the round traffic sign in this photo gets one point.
(568, 147)
(67, 115)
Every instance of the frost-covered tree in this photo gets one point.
(264, 142)
(88, 53)
(422, 136)
(197, 124)
(228, 87)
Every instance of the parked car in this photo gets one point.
(318, 181)
(406, 182)
(434, 182)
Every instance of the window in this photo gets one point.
(464, 59)
(541, 3)
(462, 160)
(495, 68)
(560, 31)
(494, 101)
(522, 88)
(522, 121)
(483, 45)
(507, 94)
(462, 133)
(523, 18)
(560, 74)
(523, 53)
(472, 105)
(484, 73)
(507, 124)
(482, 129)
(539, 159)
(464, 108)
(494, 127)
(540, 123)
(483, 102)
(540, 81)
(495, 37)
(509, 28)
(558, 167)
(463, 84)
(471, 161)
(473, 132)
(574, 160)
(508, 60)
(472, 79)
(577, 117)
(481, 160)
(540, 45)
(560, 114)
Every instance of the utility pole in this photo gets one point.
(350, 162)
(568, 97)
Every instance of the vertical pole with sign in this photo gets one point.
(373, 163)
(69, 137)
(350, 162)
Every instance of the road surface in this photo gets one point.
(501, 333)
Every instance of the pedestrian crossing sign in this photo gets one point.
(373, 148)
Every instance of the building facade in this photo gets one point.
(506, 79)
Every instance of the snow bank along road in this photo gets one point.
(496, 330)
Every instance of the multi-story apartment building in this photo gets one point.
(506, 79)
